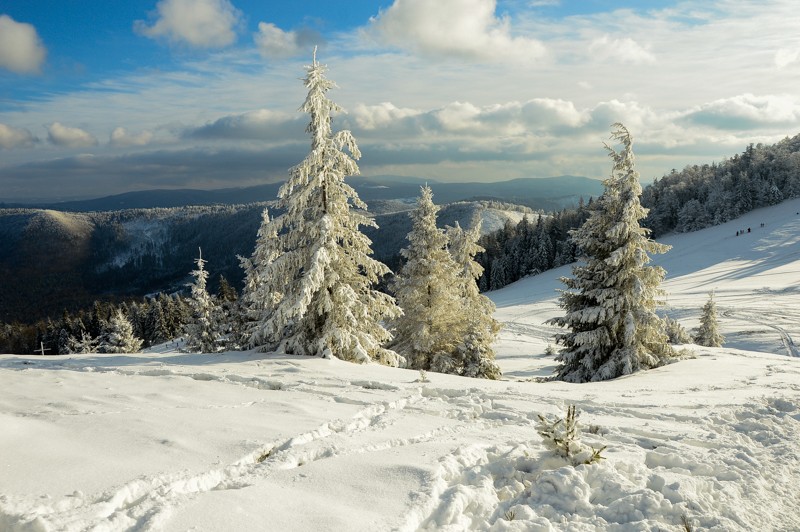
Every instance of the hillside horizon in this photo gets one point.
(535, 192)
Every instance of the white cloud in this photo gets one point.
(21, 50)
(785, 57)
(624, 50)
(462, 28)
(120, 137)
(14, 137)
(69, 137)
(458, 116)
(383, 115)
(274, 42)
(199, 23)
(747, 111)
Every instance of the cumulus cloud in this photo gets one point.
(21, 50)
(69, 137)
(747, 111)
(121, 138)
(198, 23)
(261, 124)
(274, 42)
(14, 137)
(624, 50)
(462, 28)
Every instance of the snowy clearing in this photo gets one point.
(248, 441)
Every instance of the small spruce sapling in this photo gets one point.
(118, 336)
(84, 346)
(708, 334)
(675, 332)
(202, 331)
(561, 435)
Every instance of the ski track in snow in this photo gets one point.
(492, 486)
(769, 319)
(145, 503)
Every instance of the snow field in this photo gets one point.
(248, 441)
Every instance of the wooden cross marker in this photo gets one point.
(41, 349)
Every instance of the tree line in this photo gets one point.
(694, 198)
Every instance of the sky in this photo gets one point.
(102, 97)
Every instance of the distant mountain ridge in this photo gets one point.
(547, 193)
(60, 259)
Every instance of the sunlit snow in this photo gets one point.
(249, 441)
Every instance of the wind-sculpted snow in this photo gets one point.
(250, 441)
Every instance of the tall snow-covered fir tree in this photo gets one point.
(708, 334)
(475, 355)
(427, 289)
(202, 329)
(610, 301)
(310, 283)
(118, 336)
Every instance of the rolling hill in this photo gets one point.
(67, 260)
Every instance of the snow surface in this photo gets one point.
(247, 441)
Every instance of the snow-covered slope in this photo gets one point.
(246, 441)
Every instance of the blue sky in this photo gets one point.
(102, 97)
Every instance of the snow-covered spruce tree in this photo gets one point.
(611, 298)
(118, 336)
(202, 329)
(475, 355)
(314, 284)
(432, 325)
(708, 334)
(83, 345)
(262, 289)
